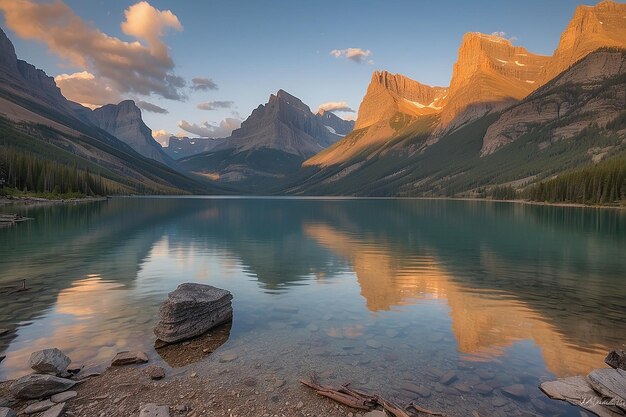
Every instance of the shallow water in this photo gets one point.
(379, 292)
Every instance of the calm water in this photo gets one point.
(381, 292)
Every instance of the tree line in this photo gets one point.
(602, 183)
(23, 172)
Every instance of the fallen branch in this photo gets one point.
(361, 400)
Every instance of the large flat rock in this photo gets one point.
(575, 390)
(49, 361)
(610, 383)
(191, 310)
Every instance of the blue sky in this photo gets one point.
(251, 49)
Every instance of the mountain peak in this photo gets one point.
(591, 28)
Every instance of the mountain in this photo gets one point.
(391, 103)
(591, 28)
(184, 147)
(334, 123)
(489, 74)
(499, 95)
(575, 120)
(124, 121)
(39, 125)
(270, 144)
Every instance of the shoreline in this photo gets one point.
(39, 201)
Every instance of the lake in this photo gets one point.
(386, 293)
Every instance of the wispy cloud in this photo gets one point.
(153, 108)
(203, 84)
(333, 106)
(143, 66)
(357, 55)
(208, 130)
(214, 105)
(503, 35)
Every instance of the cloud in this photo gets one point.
(203, 84)
(503, 35)
(84, 88)
(150, 107)
(333, 106)
(207, 130)
(143, 66)
(214, 105)
(162, 136)
(357, 55)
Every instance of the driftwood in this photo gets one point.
(351, 397)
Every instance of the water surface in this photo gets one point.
(379, 292)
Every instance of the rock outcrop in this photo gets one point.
(35, 386)
(564, 107)
(49, 361)
(124, 121)
(191, 310)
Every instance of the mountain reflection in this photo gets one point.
(506, 273)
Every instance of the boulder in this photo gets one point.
(191, 310)
(49, 361)
(616, 359)
(129, 358)
(154, 410)
(7, 412)
(35, 386)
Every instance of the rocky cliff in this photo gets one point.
(591, 27)
(124, 121)
(490, 74)
(575, 100)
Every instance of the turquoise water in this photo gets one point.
(380, 292)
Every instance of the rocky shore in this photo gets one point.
(36, 201)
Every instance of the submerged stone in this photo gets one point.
(191, 310)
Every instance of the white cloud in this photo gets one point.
(203, 84)
(357, 55)
(207, 130)
(214, 105)
(143, 66)
(503, 35)
(162, 136)
(333, 106)
(84, 88)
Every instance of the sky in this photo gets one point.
(199, 68)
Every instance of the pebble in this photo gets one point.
(228, 357)
(55, 411)
(517, 391)
(448, 378)
(154, 410)
(38, 407)
(499, 401)
(483, 389)
(155, 372)
(63, 396)
(374, 344)
(129, 358)
(299, 405)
